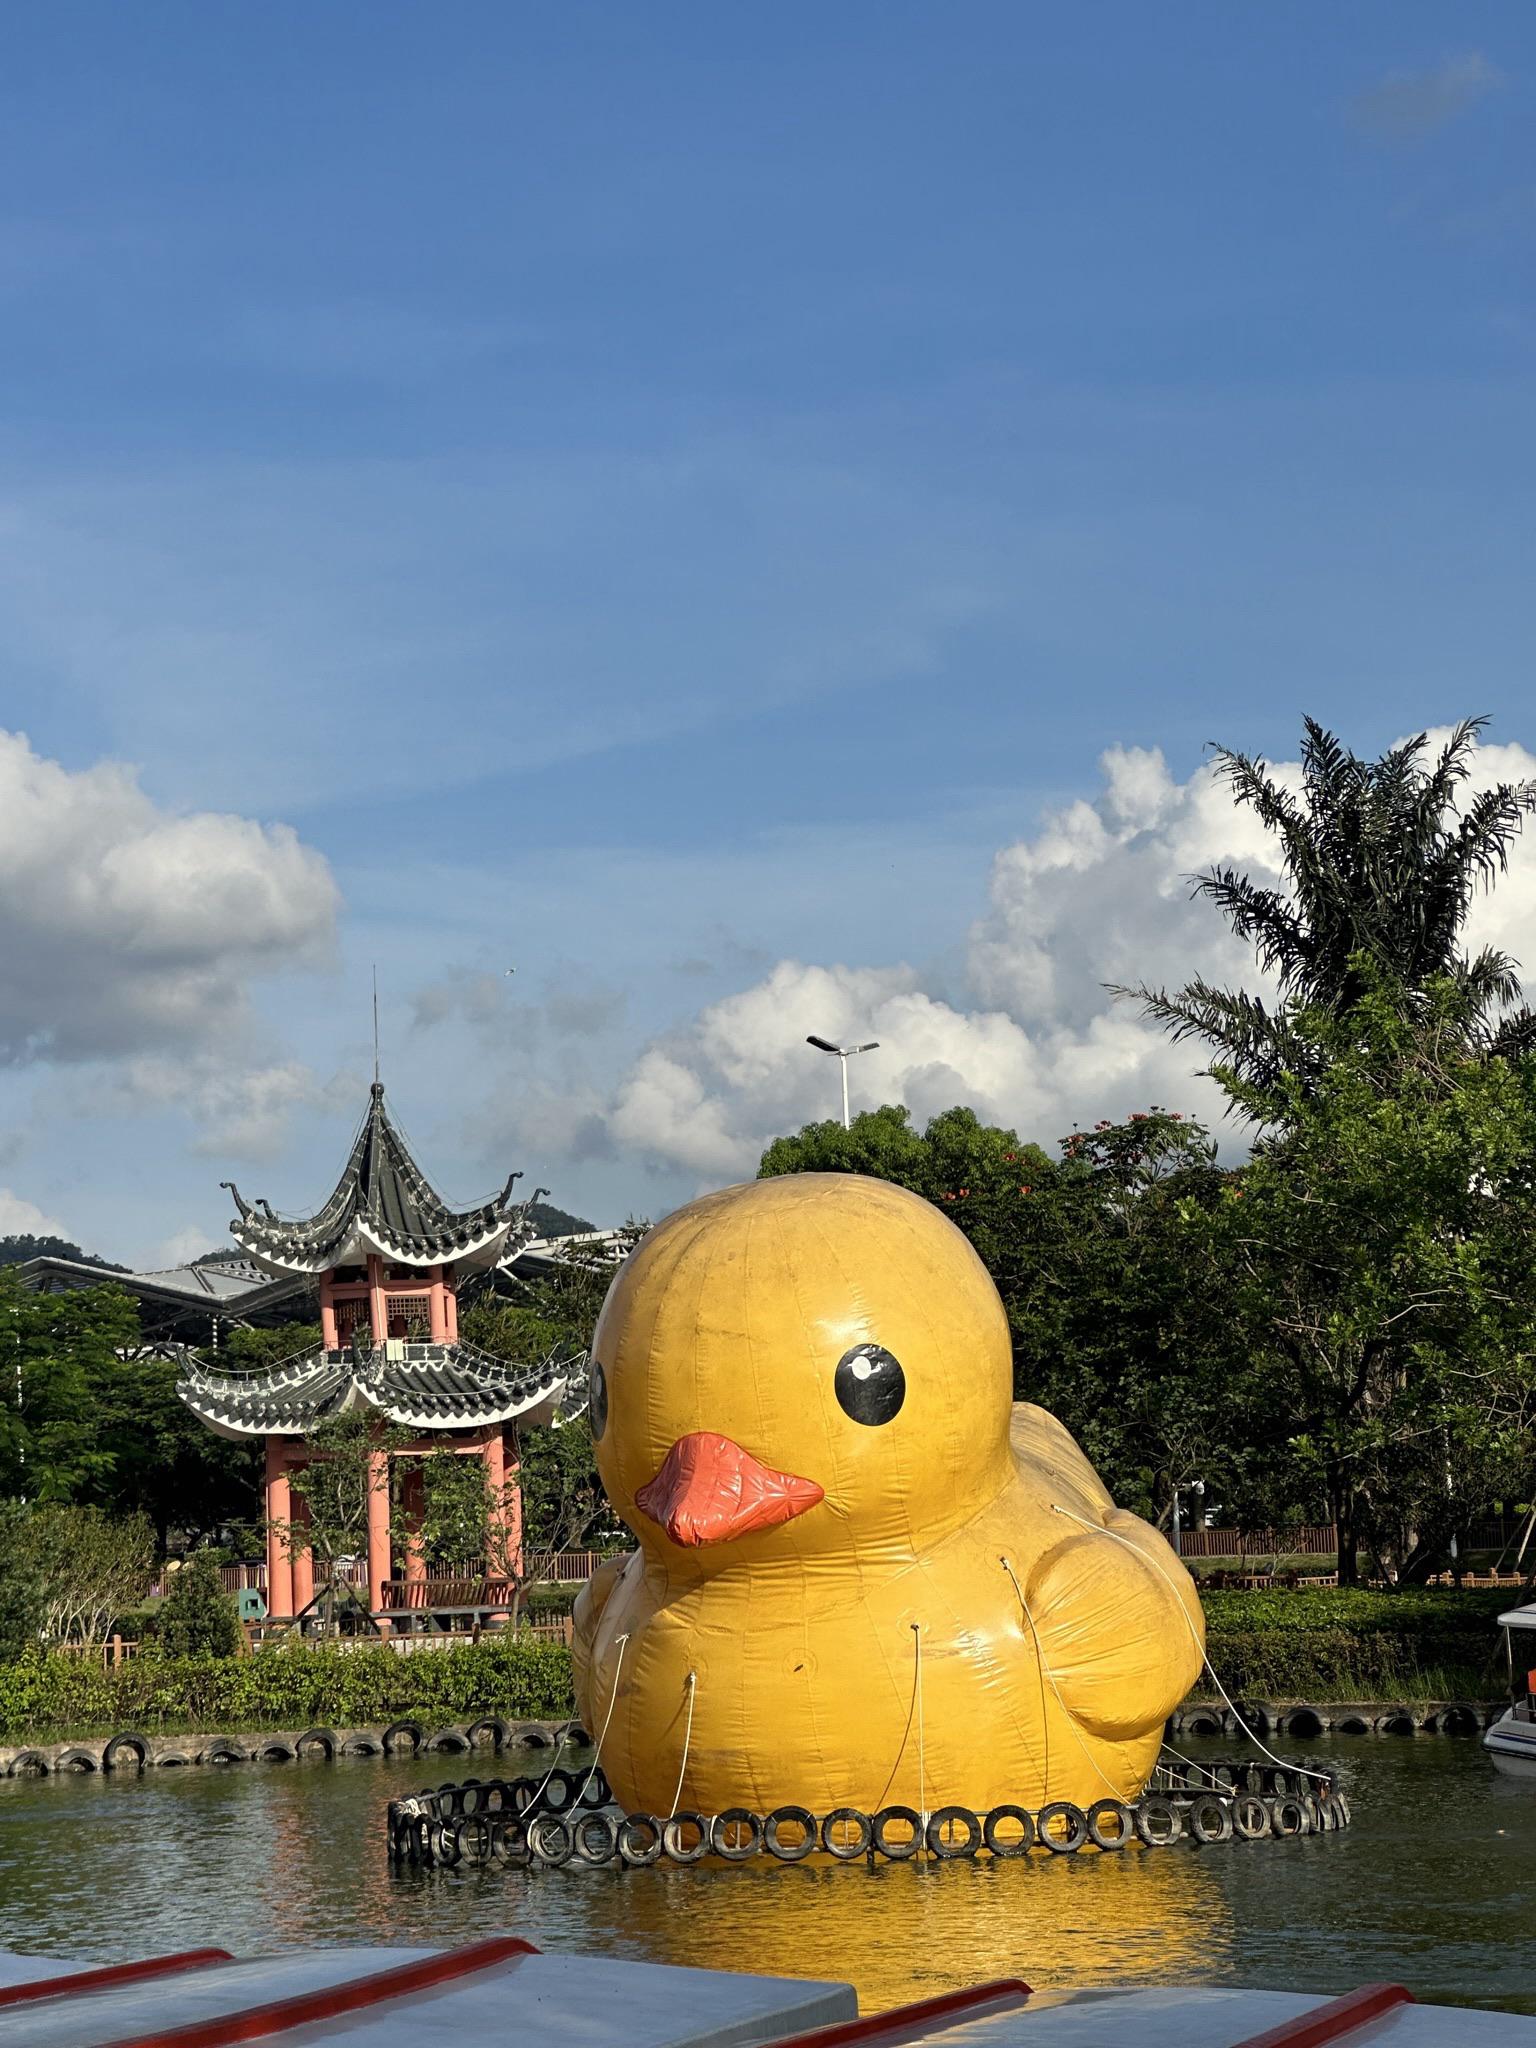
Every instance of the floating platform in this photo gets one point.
(504, 1990)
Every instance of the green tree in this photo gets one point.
(1095, 1256)
(197, 1618)
(1379, 1251)
(21, 1584)
(1380, 861)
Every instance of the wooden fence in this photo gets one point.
(1322, 1541)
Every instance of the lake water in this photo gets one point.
(1434, 1886)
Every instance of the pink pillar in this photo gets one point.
(279, 1510)
(437, 1305)
(303, 1563)
(378, 1526)
(415, 1557)
(451, 1311)
(327, 1316)
(506, 1545)
(376, 1308)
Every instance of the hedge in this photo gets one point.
(289, 1688)
(1338, 1643)
(1312, 1645)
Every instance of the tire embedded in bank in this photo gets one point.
(127, 1744)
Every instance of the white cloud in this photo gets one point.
(21, 1218)
(1406, 105)
(1099, 894)
(126, 928)
(180, 1248)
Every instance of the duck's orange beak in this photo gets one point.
(710, 1489)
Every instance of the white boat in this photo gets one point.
(504, 1990)
(1511, 1741)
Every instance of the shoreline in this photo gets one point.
(134, 1750)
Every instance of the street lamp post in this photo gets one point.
(844, 1053)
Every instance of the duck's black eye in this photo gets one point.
(870, 1385)
(597, 1400)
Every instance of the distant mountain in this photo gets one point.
(557, 1222)
(17, 1249)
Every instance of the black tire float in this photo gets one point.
(1015, 1816)
(518, 1823)
(394, 1737)
(122, 1747)
(1158, 1822)
(75, 1760)
(1074, 1825)
(725, 1834)
(595, 1790)
(490, 1725)
(28, 1763)
(316, 1741)
(836, 1840)
(941, 1843)
(790, 1850)
(1111, 1824)
(594, 1838)
(685, 1837)
(222, 1751)
(1209, 1819)
(897, 1851)
(638, 1841)
(1250, 1817)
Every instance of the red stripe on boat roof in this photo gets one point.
(110, 1974)
(913, 2022)
(353, 1994)
(1335, 2021)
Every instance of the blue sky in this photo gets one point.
(665, 498)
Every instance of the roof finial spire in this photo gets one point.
(375, 1023)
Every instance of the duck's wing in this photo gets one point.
(1045, 1446)
(586, 1615)
(1118, 1622)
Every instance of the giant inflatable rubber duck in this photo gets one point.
(864, 1576)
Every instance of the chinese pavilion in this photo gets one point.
(388, 1257)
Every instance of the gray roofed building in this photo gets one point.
(384, 1206)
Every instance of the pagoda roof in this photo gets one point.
(421, 1386)
(383, 1204)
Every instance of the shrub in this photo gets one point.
(197, 1618)
(288, 1688)
(1348, 1644)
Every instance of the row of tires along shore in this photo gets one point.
(567, 1817)
(1305, 1722)
(134, 1751)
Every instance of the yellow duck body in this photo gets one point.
(864, 1576)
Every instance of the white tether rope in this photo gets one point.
(692, 1683)
(1205, 1662)
(1077, 1735)
(922, 1754)
(613, 1700)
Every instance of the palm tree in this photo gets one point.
(1381, 863)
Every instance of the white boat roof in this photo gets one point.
(1519, 1617)
(559, 2001)
(578, 2001)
